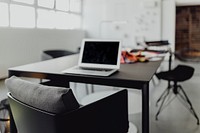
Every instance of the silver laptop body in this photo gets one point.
(97, 58)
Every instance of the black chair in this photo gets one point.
(50, 54)
(108, 115)
(56, 53)
(45, 109)
(179, 74)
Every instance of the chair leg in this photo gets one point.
(175, 91)
(87, 89)
(154, 80)
(190, 104)
(163, 96)
(165, 103)
(92, 88)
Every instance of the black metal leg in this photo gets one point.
(186, 97)
(164, 98)
(191, 107)
(182, 95)
(145, 108)
(166, 90)
(92, 86)
(87, 88)
(153, 81)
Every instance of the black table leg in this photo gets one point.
(145, 108)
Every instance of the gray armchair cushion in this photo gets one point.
(47, 98)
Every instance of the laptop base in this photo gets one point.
(89, 71)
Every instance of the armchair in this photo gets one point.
(108, 115)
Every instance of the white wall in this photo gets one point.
(133, 19)
(187, 2)
(168, 21)
(128, 20)
(22, 46)
(93, 13)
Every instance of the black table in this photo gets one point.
(135, 76)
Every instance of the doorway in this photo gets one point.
(187, 41)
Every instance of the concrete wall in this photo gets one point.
(22, 46)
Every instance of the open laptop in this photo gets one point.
(97, 58)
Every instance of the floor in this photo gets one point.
(175, 118)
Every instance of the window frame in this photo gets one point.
(36, 7)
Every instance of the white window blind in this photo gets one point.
(50, 14)
(46, 3)
(4, 21)
(25, 1)
(22, 16)
(46, 18)
(62, 5)
(75, 5)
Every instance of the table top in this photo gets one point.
(129, 75)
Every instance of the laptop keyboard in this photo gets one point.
(95, 69)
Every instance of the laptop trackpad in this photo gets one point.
(90, 71)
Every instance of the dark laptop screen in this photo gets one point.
(100, 52)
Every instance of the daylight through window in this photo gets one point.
(50, 14)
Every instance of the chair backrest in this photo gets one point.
(50, 54)
(108, 115)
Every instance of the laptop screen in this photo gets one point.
(101, 52)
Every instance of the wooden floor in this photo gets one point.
(175, 118)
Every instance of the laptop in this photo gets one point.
(98, 58)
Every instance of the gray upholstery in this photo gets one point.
(47, 98)
(107, 115)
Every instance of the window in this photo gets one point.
(25, 1)
(62, 20)
(50, 14)
(75, 22)
(4, 14)
(46, 3)
(22, 16)
(75, 5)
(46, 18)
(62, 5)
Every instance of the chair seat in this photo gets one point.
(168, 76)
(134, 100)
(180, 73)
